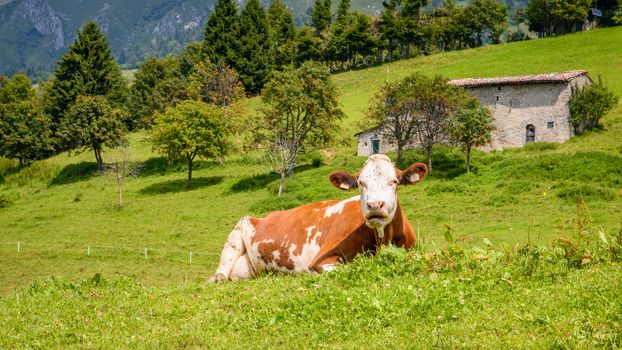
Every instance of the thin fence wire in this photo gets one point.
(92, 249)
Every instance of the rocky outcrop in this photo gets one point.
(43, 18)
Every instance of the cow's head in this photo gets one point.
(378, 181)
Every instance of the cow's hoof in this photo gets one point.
(218, 277)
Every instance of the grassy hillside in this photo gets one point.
(517, 200)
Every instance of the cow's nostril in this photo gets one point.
(382, 205)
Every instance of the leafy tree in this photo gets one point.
(549, 17)
(219, 86)
(190, 56)
(253, 61)
(188, 130)
(300, 107)
(485, 18)
(360, 37)
(168, 93)
(88, 69)
(92, 123)
(589, 104)
(220, 32)
(24, 128)
(321, 16)
(343, 12)
(146, 93)
(416, 107)
(472, 127)
(283, 33)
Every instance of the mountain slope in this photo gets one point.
(34, 33)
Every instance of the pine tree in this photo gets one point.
(320, 17)
(283, 33)
(253, 61)
(88, 69)
(220, 32)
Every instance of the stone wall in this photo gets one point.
(514, 107)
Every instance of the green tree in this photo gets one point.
(147, 91)
(220, 32)
(321, 15)
(415, 108)
(485, 19)
(549, 17)
(87, 69)
(24, 128)
(308, 46)
(92, 123)
(188, 130)
(300, 108)
(253, 61)
(219, 86)
(283, 33)
(589, 104)
(190, 56)
(390, 27)
(471, 127)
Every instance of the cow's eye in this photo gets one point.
(394, 183)
(362, 184)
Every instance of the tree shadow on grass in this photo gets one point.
(174, 186)
(75, 173)
(257, 182)
(161, 166)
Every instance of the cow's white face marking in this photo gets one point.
(377, 183)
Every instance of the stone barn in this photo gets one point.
(525, 108)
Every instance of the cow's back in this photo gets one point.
(294, 240)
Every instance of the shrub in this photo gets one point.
(589, 104)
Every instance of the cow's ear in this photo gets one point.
(343, 180)
(413, 174)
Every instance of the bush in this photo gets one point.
(589, 104)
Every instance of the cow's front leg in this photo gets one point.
(327, 264)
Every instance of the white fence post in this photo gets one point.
(191, 257)
(18, 246)
(89, 250)
(145, 253)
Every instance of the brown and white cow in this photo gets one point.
(316, 236)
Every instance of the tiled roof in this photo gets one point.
(518, 80)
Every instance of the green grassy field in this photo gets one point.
(515, 198)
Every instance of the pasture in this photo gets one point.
(520, 291)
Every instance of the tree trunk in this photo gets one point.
(98, 159)
(291, 163)
(189, 179)
(429, 149)
(468, 159)
(281, 184)
(120, 185)
(400, 156)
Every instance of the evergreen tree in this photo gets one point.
(253, 61)
(88, 69)
(308, 46)
(190, 56)
(320, 17)
(343, 12)
(283, 33)
(220, 32)
(390, 27)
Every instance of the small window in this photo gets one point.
(499, 88)
(497, 98)
(550, 125)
